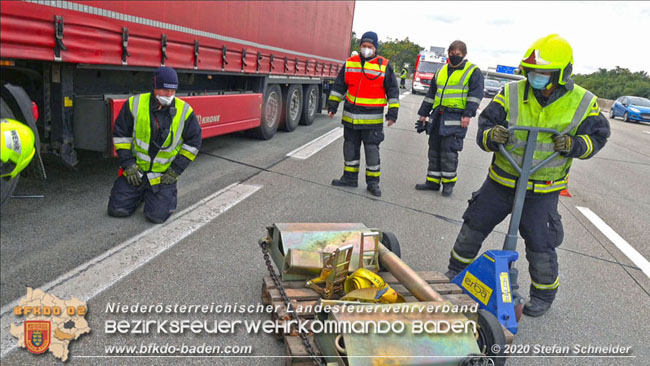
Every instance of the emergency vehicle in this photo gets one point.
(426, 66)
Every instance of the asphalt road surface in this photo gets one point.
(208, 253)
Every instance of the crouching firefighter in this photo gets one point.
(547, 98)
(368, 83)
(452, 99)
(156, 136)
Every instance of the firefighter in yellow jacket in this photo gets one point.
(156, 136)
(547, 98)
(452, 99)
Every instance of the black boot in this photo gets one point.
(447, 190)
(118, 212)
(427, 186)
(536, 307)
(451, 274)
(373, 188)
(344, 182)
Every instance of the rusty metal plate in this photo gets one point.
(406, 348)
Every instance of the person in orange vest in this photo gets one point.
(367, 83)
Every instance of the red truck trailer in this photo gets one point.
(69, 66)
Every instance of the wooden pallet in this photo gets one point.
(302, 297)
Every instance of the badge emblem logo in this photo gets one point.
(37, 335)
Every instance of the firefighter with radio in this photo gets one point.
(156, 136)
(453, 97)
(547, 98)
(367, 83)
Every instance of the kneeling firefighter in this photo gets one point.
(156, 137)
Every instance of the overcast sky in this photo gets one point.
(603, 34)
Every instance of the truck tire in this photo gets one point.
(292, 107)
(271, 113)
(7, 185)
(309, 105)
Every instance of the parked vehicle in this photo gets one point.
(631, 109)
(69, 66)
(491, 88)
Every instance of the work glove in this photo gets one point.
(133, 175)
(170, 177)
(420, 126)
(563, 143)
(498, 134)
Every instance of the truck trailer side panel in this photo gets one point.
(79, 60)
(295, 34)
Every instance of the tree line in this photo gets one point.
(607, 84)
(614, 83)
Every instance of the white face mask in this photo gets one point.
(165, 100)
(367, 52)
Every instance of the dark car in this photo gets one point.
(491, 88)
(631, 109)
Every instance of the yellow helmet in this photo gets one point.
(550, 53)
(17, 147)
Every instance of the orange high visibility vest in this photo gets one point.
(366, 84)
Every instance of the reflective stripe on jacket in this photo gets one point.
(452, 89)
(564, 115)
(171, 147)
(366, 83)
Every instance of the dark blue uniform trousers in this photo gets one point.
(352, 140)
(540, 226)
(159, 200)
(443, 158)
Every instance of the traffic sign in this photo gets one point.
(506, 69)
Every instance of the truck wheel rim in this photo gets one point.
(312, 100)
(272, 109)
(294, 105)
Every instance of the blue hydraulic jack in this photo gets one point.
(492, 278)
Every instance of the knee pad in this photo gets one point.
(543, 266)
(469, 240)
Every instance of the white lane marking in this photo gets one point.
(91, 278)
(621, 243)
(406, 93)
(316, 145)
(648, 132)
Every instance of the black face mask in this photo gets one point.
(455, 60)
